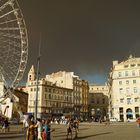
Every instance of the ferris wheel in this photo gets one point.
(13, 43)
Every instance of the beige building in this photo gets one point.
(124, 82)
(98, 101)
(53, 100)
(80, 90)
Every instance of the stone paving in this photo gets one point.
(95, 131)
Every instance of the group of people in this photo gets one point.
(5, 124)
(41, 129)
(72, 124)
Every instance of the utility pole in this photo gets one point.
(37, 84)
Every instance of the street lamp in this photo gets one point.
(37, 79)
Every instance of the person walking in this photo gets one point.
(26, 122)
(31, 131)
(69, 129)
(76, 127)
(39, 129)
(48, 129)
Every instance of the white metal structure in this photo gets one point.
(13, 43)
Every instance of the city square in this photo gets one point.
(65, 64)
(93, 131)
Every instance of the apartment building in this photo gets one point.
(124, 89)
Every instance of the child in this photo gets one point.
(43, 134)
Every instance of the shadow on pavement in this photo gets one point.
(92, 135)
(78, 138)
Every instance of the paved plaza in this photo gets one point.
(95, 131)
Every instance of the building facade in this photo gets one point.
(53, 100)
(98, 101)
(124, 89)
(80, 90)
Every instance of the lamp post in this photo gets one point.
(37, 79)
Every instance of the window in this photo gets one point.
(49, 96)
(127, 90)
(98, 101)
(31, 89)
(127, 82)
(121, 109)
(126, 73)
(133, 73)
(133, 65)
(135, 89)
(30, 77)
(120, 82)
(121, 90)
(119, 74)
(125, 66)
(134, 82)
(121, 100)
(136, 99)
(45, 96)
(128, 100)
(137, 109)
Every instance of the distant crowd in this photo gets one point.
(42, 128)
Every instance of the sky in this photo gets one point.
(83, 36)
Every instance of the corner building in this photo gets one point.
(124, 89)
(53, 100)
(80, 91)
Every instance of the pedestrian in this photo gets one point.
(48, 129)
(138, 122)
(26, 122)
(39, 129)
(43, 134)
(31, 131)
(3, 125)
(6, 123)
(69, 129)
(76, 127)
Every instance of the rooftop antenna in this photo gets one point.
(37, 79)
